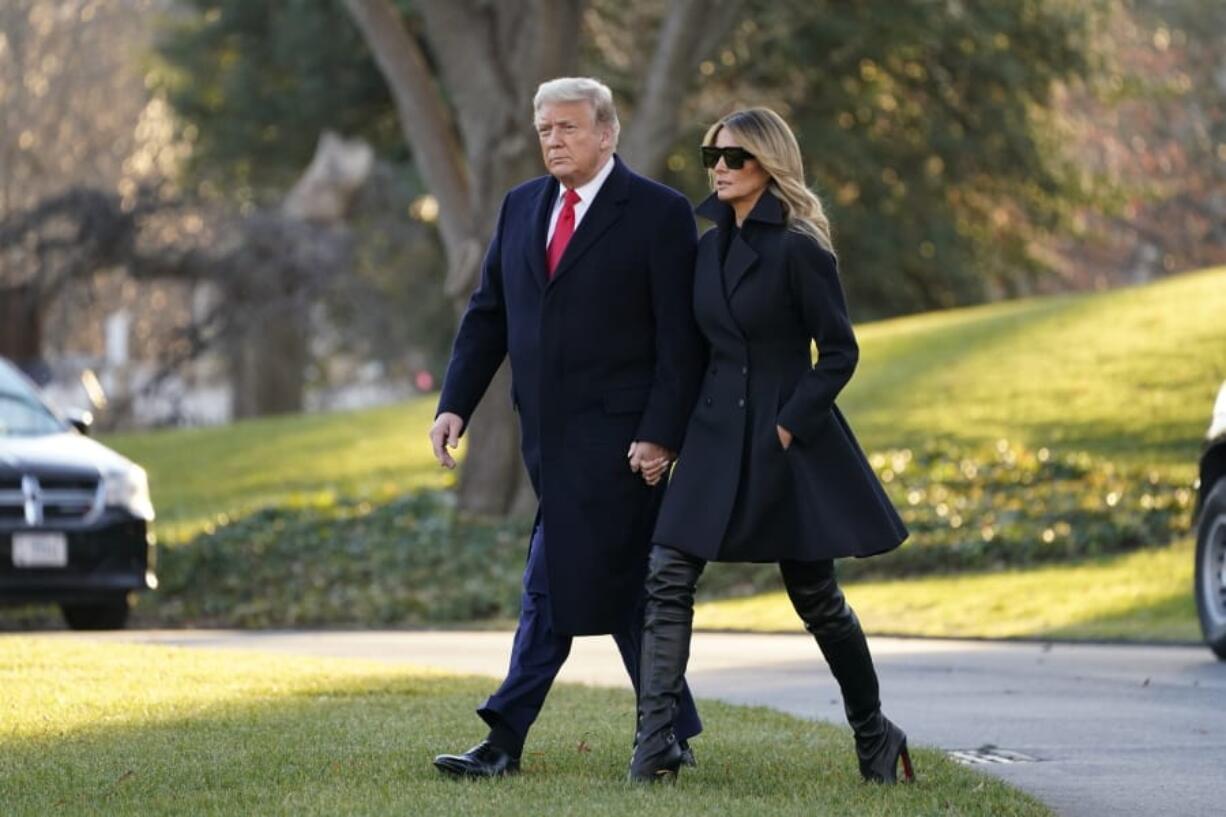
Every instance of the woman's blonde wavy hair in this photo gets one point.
(763, 133)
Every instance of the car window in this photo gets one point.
(21, 412)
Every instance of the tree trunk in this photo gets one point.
(268, 367)
(20, 324)
(269, 362)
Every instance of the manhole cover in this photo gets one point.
(987, 755)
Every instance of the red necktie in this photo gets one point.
(562, 232)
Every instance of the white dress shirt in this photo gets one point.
(587, 194)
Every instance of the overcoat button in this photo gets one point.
(744, 370)
(708, 401)
(741, 402)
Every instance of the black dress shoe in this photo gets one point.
(483, 760)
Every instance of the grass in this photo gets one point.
(205, 475)
(1142, 596)
(124, 729)
(1129, 374)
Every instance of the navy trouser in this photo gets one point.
(538, 654)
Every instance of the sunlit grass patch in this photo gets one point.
(202, 478)
(1143, 596)
(1129, 374)
(122, 730)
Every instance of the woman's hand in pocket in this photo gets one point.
(785, 437)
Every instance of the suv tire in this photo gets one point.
(105, 615)
(1211, 569)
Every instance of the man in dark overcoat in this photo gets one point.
(587, 286)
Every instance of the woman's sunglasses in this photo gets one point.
(734, 158)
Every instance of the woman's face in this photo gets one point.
(745, 184)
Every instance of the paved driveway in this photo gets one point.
(1101, 730)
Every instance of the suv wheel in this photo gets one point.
(1211, 569)
(105, 615)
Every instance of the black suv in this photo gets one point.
(1211, 532)
(74, 515)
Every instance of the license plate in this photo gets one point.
(40, 550)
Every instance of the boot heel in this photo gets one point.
(908, 771)
(657, 767)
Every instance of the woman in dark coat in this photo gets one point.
(769, 470)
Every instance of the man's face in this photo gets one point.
(573, 145)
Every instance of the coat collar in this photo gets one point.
(741, 254)
(767, 210)
(605, 209)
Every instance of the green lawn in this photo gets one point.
(123, 730)
(201, 476)
(1129, 374)
(1142, 596)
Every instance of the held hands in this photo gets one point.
(444, 434)
(650, 461)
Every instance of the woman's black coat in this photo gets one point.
(736, 494)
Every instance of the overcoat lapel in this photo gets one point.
(709, 287)
(540, 229)
(741, 259)
(603, 214)
(741, 256)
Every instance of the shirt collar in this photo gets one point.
(588, 191)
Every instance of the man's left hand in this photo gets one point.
(649, 460)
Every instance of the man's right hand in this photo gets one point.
(444, 434)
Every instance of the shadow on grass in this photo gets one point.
(365, 747)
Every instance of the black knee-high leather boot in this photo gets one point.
(880, 745)
(667, 626)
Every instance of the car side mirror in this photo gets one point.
(81, 420)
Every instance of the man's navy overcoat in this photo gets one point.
(604, 353)
(736, 494)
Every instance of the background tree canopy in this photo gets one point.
(967, 150)
(255, 84)
(925, 126)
